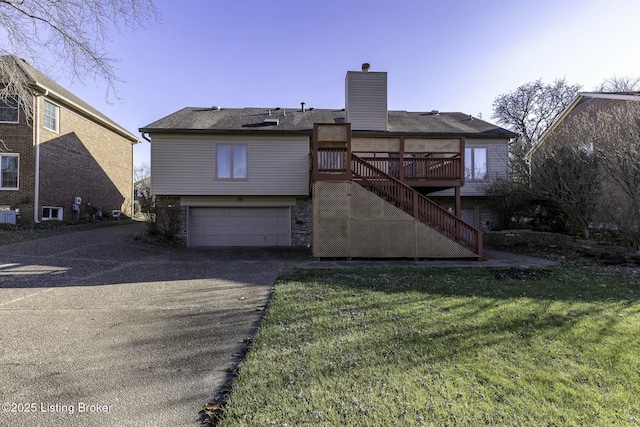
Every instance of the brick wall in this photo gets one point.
(18, 138)
(84, 159)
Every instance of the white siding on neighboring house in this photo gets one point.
(497, 165)
(186, 165)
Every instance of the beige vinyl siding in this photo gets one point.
(366, 100)
(238, 202)
(497, 166)
(185, 165)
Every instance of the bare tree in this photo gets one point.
(619, 84)
(73, 32)
(613, 134)
(565, 178)
(529, 111)
(507, 200)
(141, 171)
(142, 189)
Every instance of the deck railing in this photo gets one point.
(420, 207)
(431, 169)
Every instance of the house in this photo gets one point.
(68, 162)
(583, 103)
(602, 127)
(359, 181)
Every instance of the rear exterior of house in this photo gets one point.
(329, 179)
(68, 162)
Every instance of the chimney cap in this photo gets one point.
(366, 67)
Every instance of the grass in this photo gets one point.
(444, 347)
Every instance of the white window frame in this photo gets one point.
(232, 162)
(5, 106)
(55, 118)
(58, 217)
(470, 156)
(2, 186)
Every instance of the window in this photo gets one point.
(231, 161)
(468, 214)
(51, 116)
(475, 163)
(50, 213)
(9, 109)
(9, 164)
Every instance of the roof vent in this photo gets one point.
(302, 106)
(272, 121)
(217, 108)
(435, 112)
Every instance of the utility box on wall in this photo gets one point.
(8, 217)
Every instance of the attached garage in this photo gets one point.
(228, 226)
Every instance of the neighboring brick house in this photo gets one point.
(590, 103)
(358, 181)
(68, 153)
(592, 122)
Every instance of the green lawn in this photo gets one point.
(445, 347)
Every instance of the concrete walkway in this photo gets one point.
(495, 258)
(101, 330)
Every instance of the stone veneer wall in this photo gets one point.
(301, 222)
(509, 238)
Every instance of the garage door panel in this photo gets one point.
(240, 227)
(198, 241)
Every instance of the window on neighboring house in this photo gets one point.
(231, 161)
(9, 109)
(475, 163)
(51, 116)
(50, 213)
(10, 164)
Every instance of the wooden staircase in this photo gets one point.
(333, 160)
(415, 204)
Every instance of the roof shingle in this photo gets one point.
(246, 120)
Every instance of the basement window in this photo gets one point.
(50, 213)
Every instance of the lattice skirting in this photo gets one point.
(350, 221)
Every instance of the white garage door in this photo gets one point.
(239, 227)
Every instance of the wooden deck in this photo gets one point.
(386, 167)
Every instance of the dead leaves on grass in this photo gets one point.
(519, 273)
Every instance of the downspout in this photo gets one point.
(36, 179)
(132, 205)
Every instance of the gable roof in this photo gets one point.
(581, 100)
(44, 84)
(296, 121)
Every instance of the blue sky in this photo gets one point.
(444, 55)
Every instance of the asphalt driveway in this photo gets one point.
(101, 330)
(98, 329)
